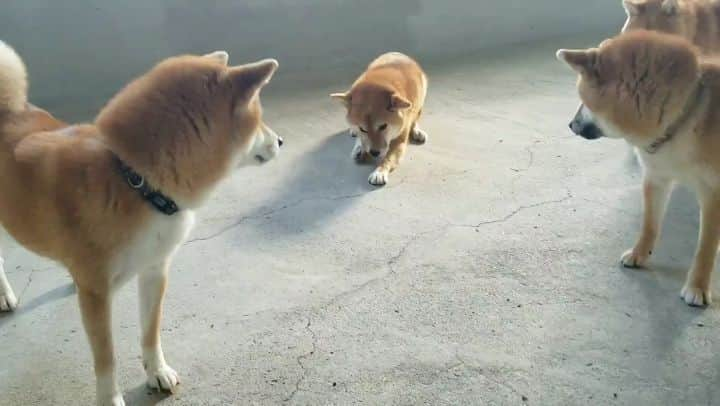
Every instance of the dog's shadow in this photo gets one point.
(325, 183)
(661, 282)
(47, 297)
(141, 395)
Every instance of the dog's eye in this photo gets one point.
(363, 130)
(382, 127)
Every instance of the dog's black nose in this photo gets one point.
(374, 153)
(589, 131)
(280, 141)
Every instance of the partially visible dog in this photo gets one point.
(652, 90)
(383, 108)
(696, 20)
(116, 198)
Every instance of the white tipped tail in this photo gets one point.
(13, 80)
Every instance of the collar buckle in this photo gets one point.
(156, 198)
(672, 130)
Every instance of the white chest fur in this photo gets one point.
(678, 162)
(154, 245)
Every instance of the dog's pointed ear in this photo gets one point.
(220, 56)
(670, 7)
(398, 103)
(247, 80)
(582, 61)
(633, 7)
(343, 98)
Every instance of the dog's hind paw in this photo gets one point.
(163, 379)
(419, 136)
(8, 302)
(695, 295)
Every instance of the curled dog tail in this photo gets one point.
(13, 80)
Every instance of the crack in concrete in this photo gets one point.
(516, 211)
(241, 220)
(27, 285)
(461, 363)
(531, 160)
(391, 270)
(390, 263)
(300, 362)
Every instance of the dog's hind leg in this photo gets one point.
(151, 288)
(417, 135)
(8, 302)
(696, 291)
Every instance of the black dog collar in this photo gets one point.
(161, 202)
(687, 113)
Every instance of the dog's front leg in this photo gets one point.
(152, 283)
(396, 151)
(696, 291)
(655, 198)
(95, 307)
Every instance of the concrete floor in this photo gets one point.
(486, 272)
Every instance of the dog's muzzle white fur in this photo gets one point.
(266, 146)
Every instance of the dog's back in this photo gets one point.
(55, 179)
(696, 20)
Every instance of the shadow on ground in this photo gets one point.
(325, 180)
(141, 395)
(47, 297)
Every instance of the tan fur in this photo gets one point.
(67, 187)
(182, 126)
(639, 86)
(696, 20)
(391, 92)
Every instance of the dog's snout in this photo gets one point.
(375, 153)
(588, 131)
(584, 126)
(280, 142)
(575, 126)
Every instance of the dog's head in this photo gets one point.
(376, 115)
(632, 86)
(657, 15)
(191, 119)
(265, 143)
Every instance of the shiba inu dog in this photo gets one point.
(115, 199)
(653, 90)
(383, 108)
(696, 20)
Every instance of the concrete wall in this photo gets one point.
(86, 49)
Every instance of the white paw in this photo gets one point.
(378, 177)
(357, 152)
(163, 378)
(696, 296)
(419, 136)
(8, 302)
(633, 258)
(115, 400)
